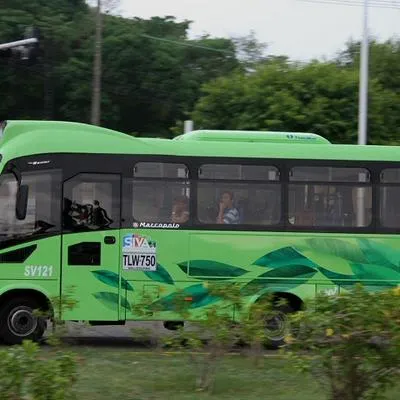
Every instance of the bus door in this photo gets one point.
(90, 246)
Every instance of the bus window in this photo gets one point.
(159, 192)
(157, 201)
(160, 170)
(91, 201)
(342, 197)
(43, 204)
(328, 174)
(239, 194)
(239, 172)
(389, 198)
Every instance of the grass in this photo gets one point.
(107, 373)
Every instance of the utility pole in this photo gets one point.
(363, 87)
(96, 89)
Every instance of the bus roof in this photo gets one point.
(22, 138)
(253, 136)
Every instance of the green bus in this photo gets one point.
(119, 218)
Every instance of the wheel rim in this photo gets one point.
(277, 327)
(21, 321)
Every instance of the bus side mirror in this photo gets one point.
(22, 202)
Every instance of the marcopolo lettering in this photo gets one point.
(158, 225)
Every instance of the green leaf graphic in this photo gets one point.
(255, 287)
(110, 300)
(290, 271)
(284, 257)
(211, 268)
(376, 273)
(287, 277)
(111, 279)
(338, 278)
(377, 253)
(199, 295)
(339, 248)
(160, 275)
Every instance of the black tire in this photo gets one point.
(18, 322)
(278, 327)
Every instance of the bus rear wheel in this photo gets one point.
(18, 321)
(278, 326)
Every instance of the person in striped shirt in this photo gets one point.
(228, 214)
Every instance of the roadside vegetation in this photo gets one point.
(343, 347)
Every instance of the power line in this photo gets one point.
(394, 4)
(187, 44)
(374, 3)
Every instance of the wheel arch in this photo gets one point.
(294, 301)
(34, 293)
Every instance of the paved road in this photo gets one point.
(119, 336)
(149, 333)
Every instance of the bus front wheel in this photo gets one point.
(18, 321)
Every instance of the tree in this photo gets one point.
(250, 51)
(384, 61)
(153, 76)
(384, 70)
(151, 73)
(23, 86)
(316, 97)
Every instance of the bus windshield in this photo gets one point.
(10, 226)
(42, 210)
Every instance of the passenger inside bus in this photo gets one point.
(98, 217)
(323, 205)
(75, 215)
(180, 210)
(228, 213)
(85, 215)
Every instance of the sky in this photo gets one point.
(298, 29)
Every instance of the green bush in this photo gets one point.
(25, 374)
(350, 342)
(15, 365)
(216, 334)
(29, 373)
(53, 378)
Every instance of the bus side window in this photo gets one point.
(157, 193)
(389, 194)
(330, 196)
(92, 201)
(239, 194)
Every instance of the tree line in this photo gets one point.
(154, 77)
